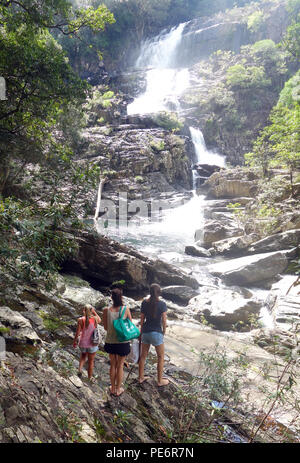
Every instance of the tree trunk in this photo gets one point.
(100, 189)
(4, 173)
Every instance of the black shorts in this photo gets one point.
(118, 349)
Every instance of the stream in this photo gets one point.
(166, 236)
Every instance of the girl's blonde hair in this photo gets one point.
(88, 314)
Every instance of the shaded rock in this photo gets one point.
(235, 246)
(224, 308)
(249, 270)
(105, 261)
(80, 291)
(194, 250)
(20, 329)
(179, 294)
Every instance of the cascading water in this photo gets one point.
(203, 155)
(166, 238)
(165, 82)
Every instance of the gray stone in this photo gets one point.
(179, 294)
(21, 328)
(197, 251)
(276, 242)
(249, 270)
(223, 308)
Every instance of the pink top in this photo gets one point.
(86, 333)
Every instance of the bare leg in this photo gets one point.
(160, 351)
(82, 360)
(112, 372)
(119, 374)
(91, 358)
(144, 353)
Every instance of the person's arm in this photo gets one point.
(164, 322)
(142, 320)
(97, 317)
(104, 319)
(128, 314)
(78, 331)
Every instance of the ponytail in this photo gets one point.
(152, 302)
(88, 314)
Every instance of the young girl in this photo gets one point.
(117, 350)
(85, 328)
(153, 329)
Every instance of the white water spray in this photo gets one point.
(165, 82)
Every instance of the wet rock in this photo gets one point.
(246, 271)
(224, 308)
(197, 251)
(179, 294)
(105, 261)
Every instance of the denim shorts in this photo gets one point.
(153, 337)
(89, 350)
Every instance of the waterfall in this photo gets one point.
(164, 81)
(99, 195)
(203, 155)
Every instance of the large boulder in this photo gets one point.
(197, 251)
(232, 184)
(179, 294)
(225, 309)
(17, 329)
(251, 270)
(276, 242)
(105, 261)
(286, 312)
(216, 231)
(235, 246)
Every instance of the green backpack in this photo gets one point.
(125, 329)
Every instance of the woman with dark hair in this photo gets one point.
(117, 350)
(153, 329)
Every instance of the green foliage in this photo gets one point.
(168, 121)
(255, 21)
(157, 145)
(41, 85)
(247, 76)
(279, 142)
(52, 323)
(291, 39)
(32, 246)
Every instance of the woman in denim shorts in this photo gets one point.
(153, 328)
(85, 328)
